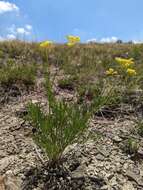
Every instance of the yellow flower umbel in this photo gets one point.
(131, 72)
(111, 71)
(46, 44)
(70, 44)
(72, 40)
(124, 62)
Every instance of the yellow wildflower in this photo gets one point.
(72, 40)
(131, 72)
(111, 71)
(125, 62)
(70, 44)
(46, 44)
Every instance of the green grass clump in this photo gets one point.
(13, 73)
(62, 125)
(140, 127)
(131, 146)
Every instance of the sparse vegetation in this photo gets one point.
(94, 94)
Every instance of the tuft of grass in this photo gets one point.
(12, 73)
(131, 146)
(140, 127)
(63, 124)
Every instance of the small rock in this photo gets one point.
(78, 173)
(117, 139)
(125, 167)
(105, 152)
(105, 187)
(109, 176)
(100, 157)
(128, 186)
(113, 181)
(140, 151)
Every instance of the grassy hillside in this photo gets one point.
(83, 66)
(71, 116)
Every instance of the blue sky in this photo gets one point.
(103, 20)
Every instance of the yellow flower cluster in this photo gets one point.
(46, 44)
(111, 71)
(72, 40)
(131, 72)
(125, 62)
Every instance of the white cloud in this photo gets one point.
(6, 6)
(11, 37)
(15, 32)
(109, 40)
(8, 37)
(22, 31)
(112, 39)
(137, 41)
(28, 27)
(93, 40)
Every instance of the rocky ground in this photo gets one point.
(100, 163)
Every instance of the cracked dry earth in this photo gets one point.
(100, 163)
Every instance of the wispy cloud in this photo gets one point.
(28, 27)
(10, 37)
(24, 30)
(137, 41)
(15, 32)
(93, 40)
(112, 39)
(6, 6)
